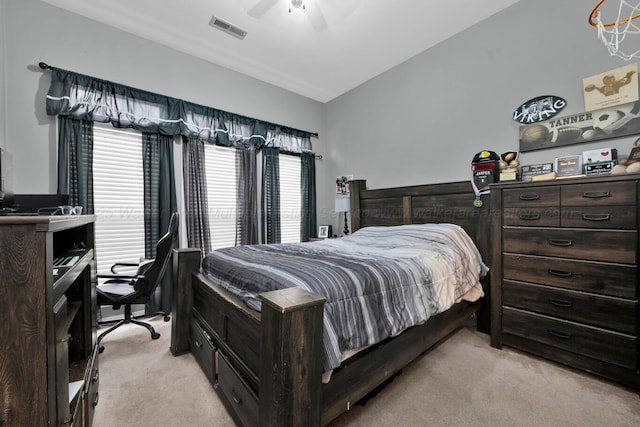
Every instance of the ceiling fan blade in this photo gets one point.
(261, 8)
(316, 16)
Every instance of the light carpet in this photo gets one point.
(461, 382)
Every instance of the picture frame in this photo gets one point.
(323, 232)
(342, 184)
(611, 88)
(569, 166)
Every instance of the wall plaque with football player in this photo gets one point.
(614, 122)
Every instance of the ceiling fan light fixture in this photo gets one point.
(296, 4)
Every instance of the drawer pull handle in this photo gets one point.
(596, 194)
(95, 377)
(96, 397)
(560, 303)
(560, 242)
(596, 217)
(529, 217)
(557, 334)
(559, 273)
(198, 343)
(235, 397)
(529, 197)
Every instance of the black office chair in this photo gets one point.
(124, 290)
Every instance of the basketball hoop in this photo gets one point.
(613, 33)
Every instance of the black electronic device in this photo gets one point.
(39, 204)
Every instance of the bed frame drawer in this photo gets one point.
(611, 313)
(203, 349)
(610, 347)
(239, 395)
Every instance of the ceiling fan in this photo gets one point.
(318, 22)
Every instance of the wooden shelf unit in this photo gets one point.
(48, 338)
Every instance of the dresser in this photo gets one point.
(48, 360)
(564, 276)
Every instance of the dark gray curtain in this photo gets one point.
(93, 99)
(159, 204)
(247, 215)
(75, 161)
(195, 195)
(271, 195)
(308, 224)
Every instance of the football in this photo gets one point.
(534, 133)
(564, 134)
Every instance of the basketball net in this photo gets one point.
(613, 34)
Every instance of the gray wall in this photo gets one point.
(420, 122)
(35, 31)
(423, 121)
(3, 98)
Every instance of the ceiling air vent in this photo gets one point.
(227, 28)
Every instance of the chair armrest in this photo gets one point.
(123, 264)
(117, 276)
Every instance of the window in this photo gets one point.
(220, 165)
(118, 196)
(290, 198)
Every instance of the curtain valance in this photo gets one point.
(88, 98)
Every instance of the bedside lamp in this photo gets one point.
(343, 204)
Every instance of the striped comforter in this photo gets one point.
(377, 281)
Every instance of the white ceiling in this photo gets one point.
(296, 51)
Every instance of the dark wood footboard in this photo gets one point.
(266, 366)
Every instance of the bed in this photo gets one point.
(276, 354)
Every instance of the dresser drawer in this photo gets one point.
(548, 216)
(203, 349)
(599, 194)
(239, 395)
(596, 310)
(615, 216)
(610, 347)
(595, 245)
(617, 280)
(531, 197)
(92, 383)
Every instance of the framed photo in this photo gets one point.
(614, 87)
(323, 232)
(569, 165)
(634, 156)
(342, 184)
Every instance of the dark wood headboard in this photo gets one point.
(450, 202)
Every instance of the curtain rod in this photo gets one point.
(45, 66)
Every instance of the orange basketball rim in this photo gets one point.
(595, 12)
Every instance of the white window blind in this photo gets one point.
(220, 165)
(118, 196)
(290, 198)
